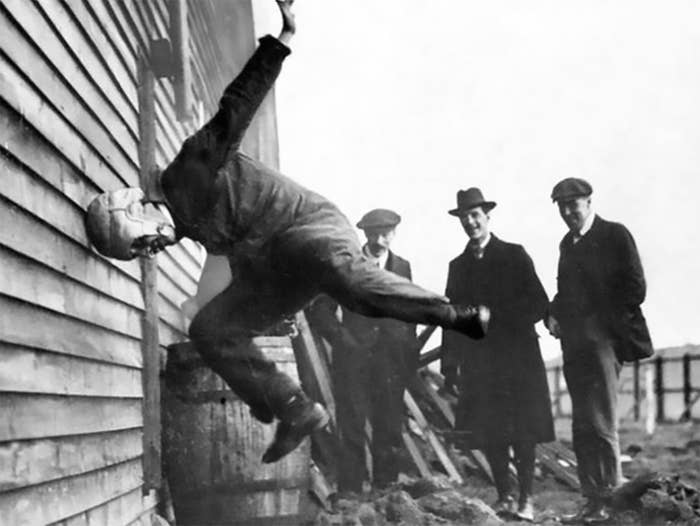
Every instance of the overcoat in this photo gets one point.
(602, 275)
(504, 397)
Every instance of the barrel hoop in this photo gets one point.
(217, 396)
(252, 486)
(275, 520)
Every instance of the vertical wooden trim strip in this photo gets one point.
(149, 290)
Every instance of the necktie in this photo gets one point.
(476, 250)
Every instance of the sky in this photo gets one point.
(400, 103)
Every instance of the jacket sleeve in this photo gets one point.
(451, 356)
(528, 300)
(627, 281)
(554, 308)
(204, 152)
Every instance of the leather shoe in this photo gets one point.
(471, 321)
(526, 510)
(599, 516)
(505, 506)
(592, 512)
(290, 433)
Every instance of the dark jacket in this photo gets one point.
(601, 275)
(504, 397)
(383, 332)
(227, 201)
(368, 333)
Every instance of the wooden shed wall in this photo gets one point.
(71, 415)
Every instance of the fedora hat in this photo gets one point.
(471, 198)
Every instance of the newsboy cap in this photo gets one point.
(379, 217)
(570, 188)
(468, 199)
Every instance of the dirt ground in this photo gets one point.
(673, 450)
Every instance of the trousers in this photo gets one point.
(318, 256)
(592, 371)
(368, 384)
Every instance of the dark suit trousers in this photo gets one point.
(592, 372)
(369, 386)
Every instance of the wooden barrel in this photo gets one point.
(212, 448)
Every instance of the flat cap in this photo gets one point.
(570, 188)
(379, 217)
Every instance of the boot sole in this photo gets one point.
(315, 422)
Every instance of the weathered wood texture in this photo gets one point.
(71, 381)
(213, 446)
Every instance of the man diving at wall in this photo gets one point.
(285, 244)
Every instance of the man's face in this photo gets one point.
(475, 223)
(379, 239)
(575, 211)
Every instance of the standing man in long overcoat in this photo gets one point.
(503, 393)
(597, 315)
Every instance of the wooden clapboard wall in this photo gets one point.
(71, 393)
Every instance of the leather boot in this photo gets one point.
(300, 418)
(471, 321)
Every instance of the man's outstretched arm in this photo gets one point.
(209, 146)
(242, 97)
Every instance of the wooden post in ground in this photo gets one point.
(660, 413)
(687, 388)
(637, 394)
(557, 392)
(650, 416)
(150, 348)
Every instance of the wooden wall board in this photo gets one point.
(30, 462)
(36, 284)
(63, 498)
(63, 334)
(30, 370)
(30, 416)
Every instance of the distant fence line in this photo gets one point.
(650, 387)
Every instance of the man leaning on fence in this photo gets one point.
(597, 316)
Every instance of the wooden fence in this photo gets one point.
(665, 388)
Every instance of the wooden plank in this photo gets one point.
(308, 355)
(22, 141)
(139, 39)
(19, 322)
(149, 290)
(31, 462)
(102, 72)
(36, 240)
(550, 461)
(64, 498)
(27, 370)
(29, 416)
(117, 61)
(34, 283)
(130, 508)
(27, 59)
(433, 440)
(36, 197)
(49, 247)
(413, 450)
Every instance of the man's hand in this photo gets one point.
(553, 326)
(289, 25)
(451, 378)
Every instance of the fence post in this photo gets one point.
(557, 392)
(660, 414)
(687, 387)
(637, 394)
(650, 414)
